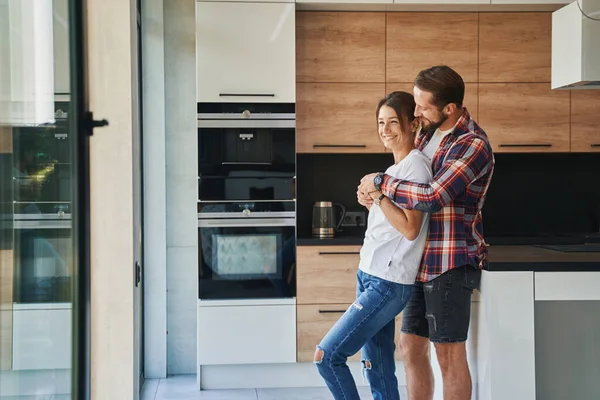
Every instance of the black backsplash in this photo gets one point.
(530, 194)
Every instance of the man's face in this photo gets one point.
(431, 117)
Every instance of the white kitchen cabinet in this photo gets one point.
(253, 1)
(246, 332)
(442, 2)
(245, 52)
(346, 1)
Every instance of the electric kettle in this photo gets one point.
(324, 223)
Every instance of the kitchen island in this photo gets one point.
(537, 323)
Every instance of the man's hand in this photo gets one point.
(364, 199)
(366, 184)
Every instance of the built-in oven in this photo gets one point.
(246, 201)
(247, 250)
(246, 151)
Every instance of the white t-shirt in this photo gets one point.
(386, 253)
(435, 141)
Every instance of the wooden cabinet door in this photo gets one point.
(522, 118)
(314, 321)
(515, 47)
(471, 100)
(338, 117)
(326, 274)
(585, 129)
(340, 47)
(416, 41)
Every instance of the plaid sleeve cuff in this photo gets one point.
(388, 186)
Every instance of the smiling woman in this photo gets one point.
(389, 260)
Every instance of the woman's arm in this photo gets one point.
(407, 222)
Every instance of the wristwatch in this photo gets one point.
(378, 180)
(377, 201)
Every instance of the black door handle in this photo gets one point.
(138, 273)
(90, 123)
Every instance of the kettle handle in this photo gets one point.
(343, 208)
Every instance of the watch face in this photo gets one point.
(377, 180)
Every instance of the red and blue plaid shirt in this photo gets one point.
(462, 170)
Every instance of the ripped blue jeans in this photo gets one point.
(368, 324)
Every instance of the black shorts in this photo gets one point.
(441, 309)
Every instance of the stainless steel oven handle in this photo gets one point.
(249, 123)
(249, 223)
(264, 215)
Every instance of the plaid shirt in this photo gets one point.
(462, 170)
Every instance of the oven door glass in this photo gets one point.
(247, 258)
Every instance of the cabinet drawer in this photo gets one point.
(327, 274)
(314, 321)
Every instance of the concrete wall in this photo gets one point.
(170, 156)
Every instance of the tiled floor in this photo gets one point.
(184, 388)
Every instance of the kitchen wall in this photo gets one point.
(530, 194)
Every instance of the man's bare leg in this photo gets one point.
(419, 375)
(455, 370)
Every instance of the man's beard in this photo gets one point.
(432, 126)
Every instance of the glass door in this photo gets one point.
(44, 129)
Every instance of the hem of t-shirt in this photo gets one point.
(386, 277)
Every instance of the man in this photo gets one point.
(463, 164)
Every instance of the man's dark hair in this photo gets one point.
(446, 85)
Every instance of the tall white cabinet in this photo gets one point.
(245, 52)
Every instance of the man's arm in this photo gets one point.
(467, 160)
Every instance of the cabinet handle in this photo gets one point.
(351, 146)
(595, 144)
(526, 145)
(332, 311)
(246, 94)
(333, 253)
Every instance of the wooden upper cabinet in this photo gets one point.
(519, 117)
(471, 100)
(585, 130)
(338, 117)
(416, 41)
(340, 47)
(515, 47)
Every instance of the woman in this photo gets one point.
(389, 261)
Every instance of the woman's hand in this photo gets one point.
(364, 199)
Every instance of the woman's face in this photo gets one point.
(390, 128)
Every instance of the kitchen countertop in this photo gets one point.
(506, 257)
